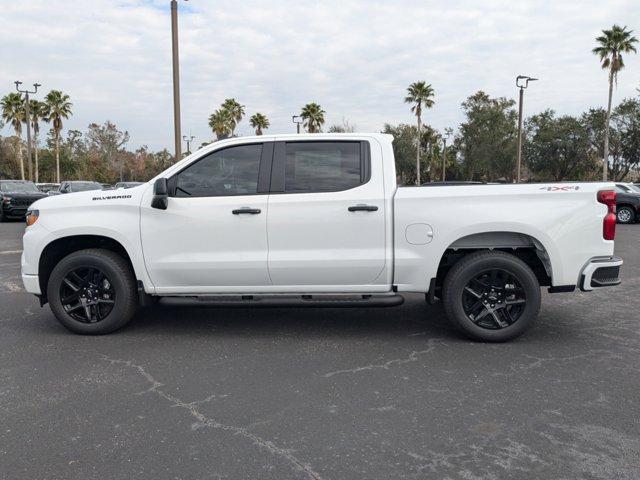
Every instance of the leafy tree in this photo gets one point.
(37, 113)
(313, 116)
(236, 112)
(487, 141)
(557, 148)
(13, 112)
(259, 122)
(404, 152)
(345, 127)
(626, 151)
(108, 141)
(419, 95)
(611, 45)
(58, 107)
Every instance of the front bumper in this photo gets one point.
(31, 284)
(600, 272)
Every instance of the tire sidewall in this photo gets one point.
(116, 317)
(631, 215)
(474, 267)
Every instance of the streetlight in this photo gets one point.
(28, 119)
(447, 131)
(522, 82)
(176, 80)
(188, 139)
(297, 119)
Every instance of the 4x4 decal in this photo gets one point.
(564, 188)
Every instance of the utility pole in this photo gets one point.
(188, 139)
(447, 132)
(297, 119)
(176, 80)
(522, 82)
(28, 120)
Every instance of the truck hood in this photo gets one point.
(93, 199)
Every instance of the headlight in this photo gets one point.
(6, 200)
(32, 217)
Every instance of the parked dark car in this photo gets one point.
(627, 202)
(17, 196)
(47, 187)
(72, 186)
(127, 184)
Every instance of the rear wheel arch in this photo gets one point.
(58, 249)
(523, 246)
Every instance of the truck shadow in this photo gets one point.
(414, 317)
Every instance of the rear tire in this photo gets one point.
(99, 301)
(491, 296)
(625, 215)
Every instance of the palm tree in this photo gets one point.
(222, 123)
(611, 45)
(57, 107)
(313, 116)
(37, 112)
(259, 121)
(420, 94)
(235, 110)
(13, 112)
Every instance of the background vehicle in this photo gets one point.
(627, 202)
(317, 220)
(47, 187)
(72, 186)
(127, 184)
(17, 196)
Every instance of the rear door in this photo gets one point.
(326, 220)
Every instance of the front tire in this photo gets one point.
(625, 215)
(92, 292)
(491, 296)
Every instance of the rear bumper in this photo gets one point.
(600, 272)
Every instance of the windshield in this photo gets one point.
(634, 188)
(19, 187)
(85, 186)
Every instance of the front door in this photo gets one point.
(326, 218)
(212, 238)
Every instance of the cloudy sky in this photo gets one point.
(354, 57)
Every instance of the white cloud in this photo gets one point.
(354, 57)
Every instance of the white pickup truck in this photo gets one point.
(316, 220)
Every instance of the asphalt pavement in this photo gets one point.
(321, 393)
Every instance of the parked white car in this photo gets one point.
(316, 220)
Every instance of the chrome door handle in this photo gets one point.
(251, 211)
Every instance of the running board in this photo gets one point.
(329, 301)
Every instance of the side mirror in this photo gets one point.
(160, 194)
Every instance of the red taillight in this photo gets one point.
(608, 197)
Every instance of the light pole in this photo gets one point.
(28, 120)
(176, 80)
(447, 132)
(297, 119)
(188, 140)
(522, 82)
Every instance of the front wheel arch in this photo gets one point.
(64, 246)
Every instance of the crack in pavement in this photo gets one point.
(212, 423)
(413, 357)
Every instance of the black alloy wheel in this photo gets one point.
(87, 295)
(494, 299)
